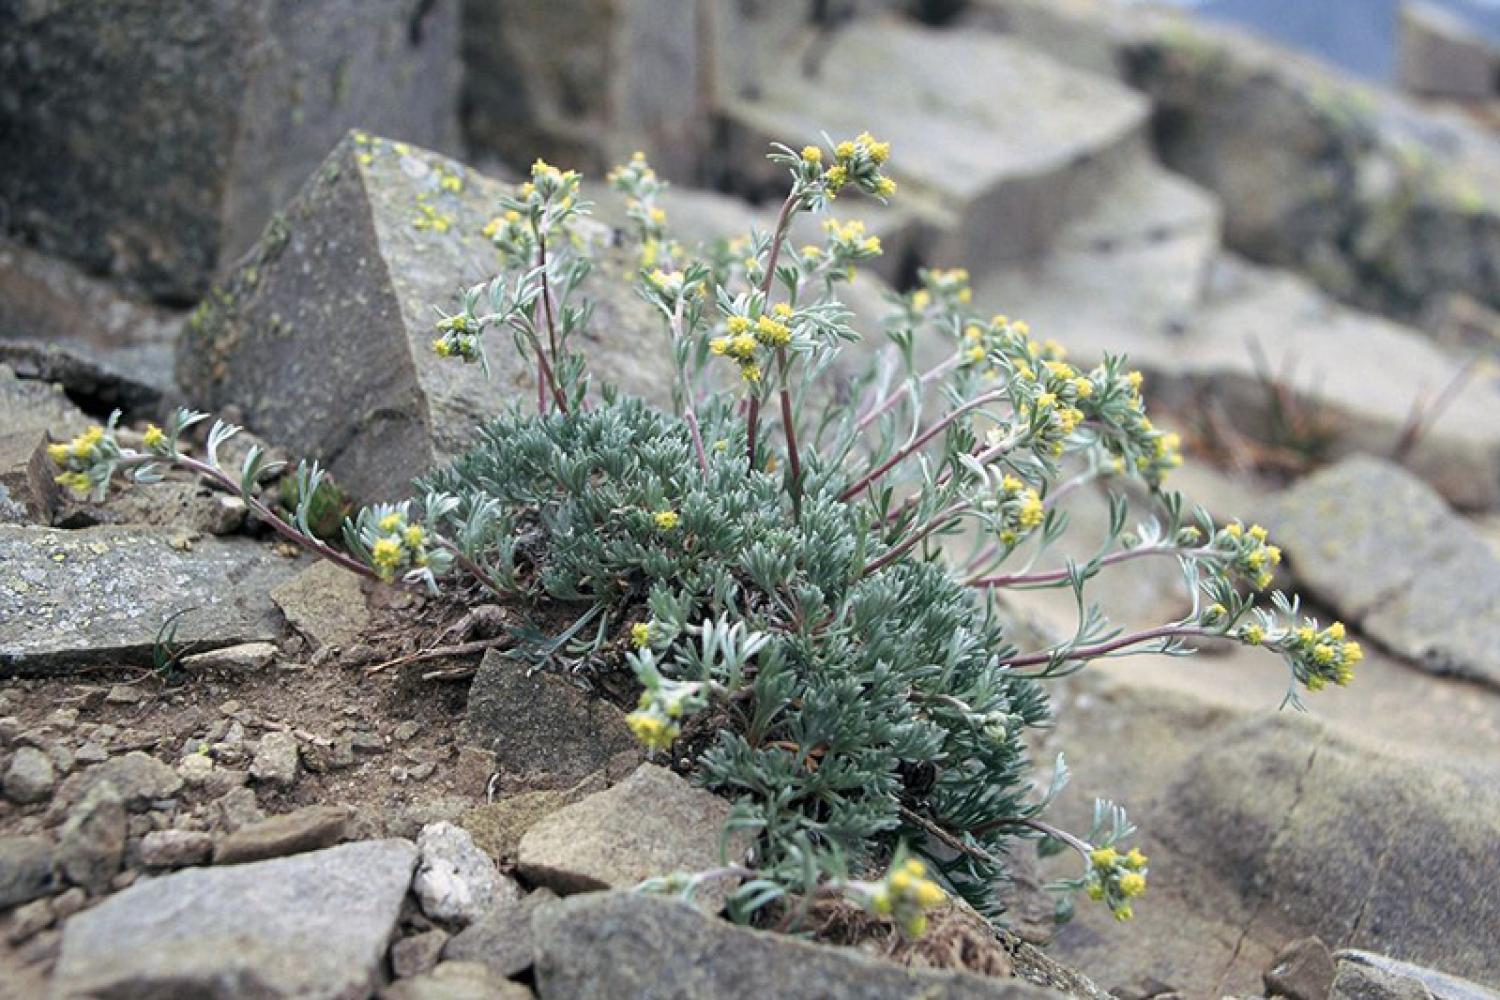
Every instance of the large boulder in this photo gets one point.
(996, 148)
(323, 334)
(314, 925)
(586, 82)
(70, 599)
(1380, 547)
(622, 945)
(152, 139)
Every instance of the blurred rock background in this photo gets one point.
(1286, 212)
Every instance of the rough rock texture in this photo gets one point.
(534, 87)
(619, 944)
(457, 981)
(308, 829)
(325, 603)
(137, 777)
(323, 334)
(29, 778)
(176, 848)
(1303, 971)
(78, 598)
(1380, 547)
(650, 824)
(1440, 985)
(223, 106)
(25, 869)
(91, 843)
(544, 731)
(1365, 982)
(497, 827)
(991, 177)
(501, 939)
(315, 925)
(1439, 54)
(60, 325)
(456, 881)
(276, 760)
(29, 406)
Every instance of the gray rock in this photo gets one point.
(1439, 54)
(308, 829)
(247, 656)
(621, 944)
(497, 827)
(101, 595)
(544, 731)
(251, 103)
(30, 920)
(175, 848)
(1438, 604)
(275, 760)
(1441, 985)
(457, 981)
(501, 939)
(1303, 971)
(91, 844)
(30, 777)
(60, 325)
(1343, 842)
(534, 87)
(324, 332)
(32, 407)
(1381, 202)
(455, 881)
(412, 956)
(236, 808)
(314, 925)
(25, 869)
(137, 777)
(326, 604)
(28, 492)
(652, 823)
(1366, 982)
(996, 148)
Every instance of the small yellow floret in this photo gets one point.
(640, 635)
(666, 520)
(812, 154)
(1103, 857)
(1132, 884)
(390, 522)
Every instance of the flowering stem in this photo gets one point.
(752, 422)
(982, 457)
(917, 444)
(940, 520)
(1113, 645)
(1060, 575)
(788, 417)
(541, 252)
(314, 545)
(689, 404)
(935, 372)
(469, 565)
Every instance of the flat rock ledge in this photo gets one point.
(313, 925)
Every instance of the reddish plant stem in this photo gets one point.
(1113, 645)
(1059, 575)
(940, 520)
(917, 445)
(935, 372)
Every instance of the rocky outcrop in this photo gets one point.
(323, 335)
(152, 140)
(1381, 548)
(75, 598)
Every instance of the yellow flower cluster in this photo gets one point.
(856, 162)
(656, 722)
(458, 337)
(400, 544)
(744, 336)
(1321, 656)
(78, 457)
(666, 520)
(906, 895)
(1116, 878)
(1014, 512)
(1247, 552)
(512, 235)
(847, 241)
(638, 182)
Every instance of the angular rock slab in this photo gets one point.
(652, 823)
(223, 106)
(100, 595)
(608, 945)
(1382, 548)
(323, 335)
(314, 925)
(996, 148)
(533, 83)
(543, 731)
